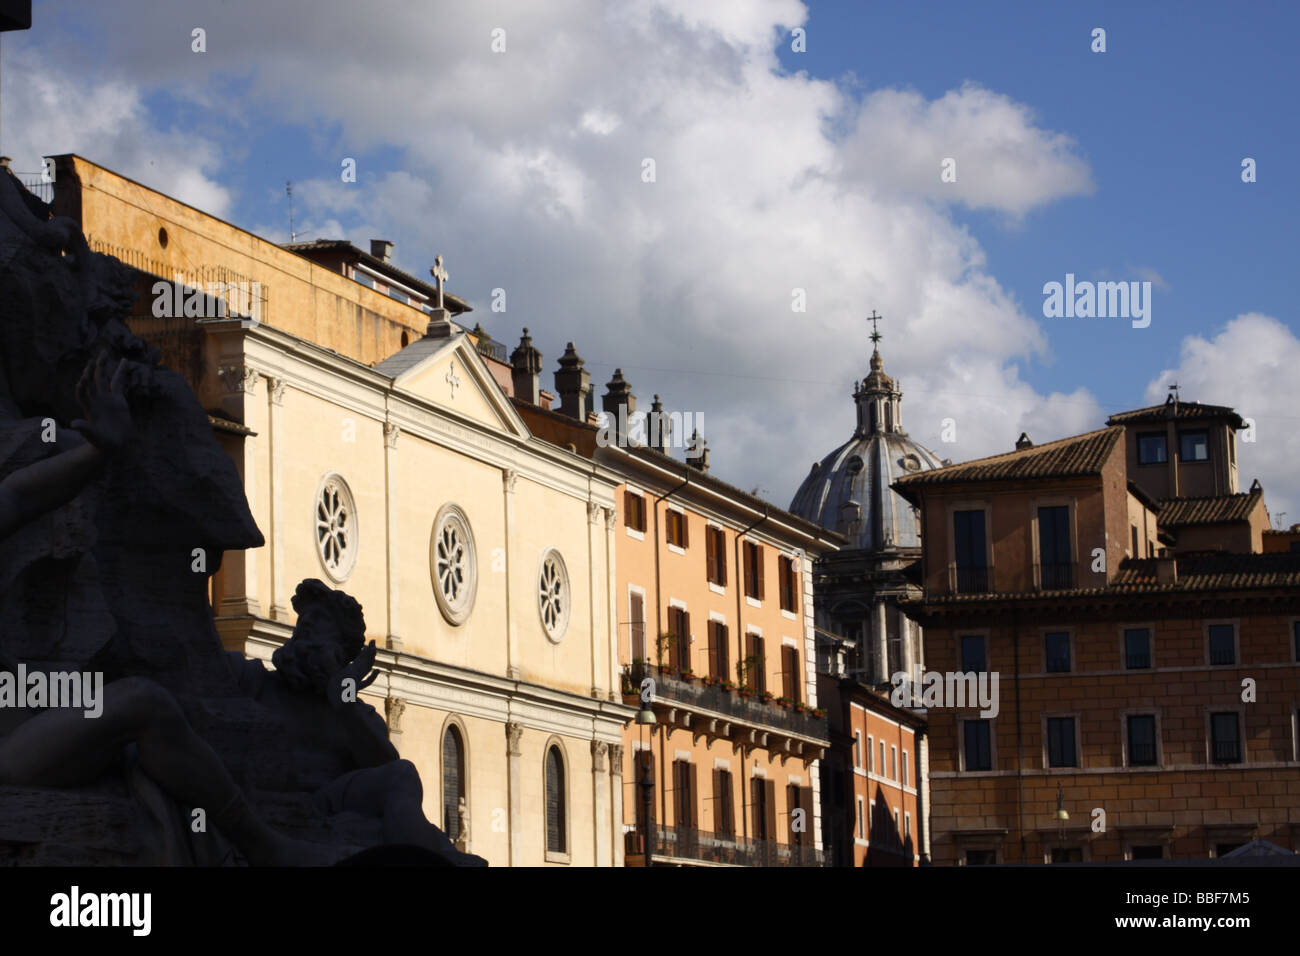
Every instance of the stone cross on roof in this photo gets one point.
(440, 275)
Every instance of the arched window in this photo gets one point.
(557, 840)
(453, 781)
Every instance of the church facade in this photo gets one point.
(380, 454)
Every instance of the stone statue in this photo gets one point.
(112, 487)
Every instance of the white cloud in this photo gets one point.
(1251, 366)
(524, 169)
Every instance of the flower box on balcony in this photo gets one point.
(818, 713)
(727, 685)
(783, 701)
(745, 690)
(765, 696)
(800, 707)
(687, 674)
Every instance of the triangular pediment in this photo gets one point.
(450, 374)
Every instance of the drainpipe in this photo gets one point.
(659, 625)
(740, 635)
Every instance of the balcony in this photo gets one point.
(713, 703)
(688, 843)
(1055, 576)
(968, 579)
(1227, 751)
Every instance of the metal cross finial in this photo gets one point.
(875, 332)
(440, 276)
(452, 379)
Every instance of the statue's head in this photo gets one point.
(330, 632)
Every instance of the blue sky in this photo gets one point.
(777, 171)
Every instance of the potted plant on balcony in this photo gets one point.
(800, 707)
(687, 674)
(765, 696)
(818, 712)
(745, 691)
(708, 680)
(783, 701)
(727, 685)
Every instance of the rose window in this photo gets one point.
(336, 527)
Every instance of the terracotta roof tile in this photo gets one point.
(1183, 411)
(1068, 457)
(1212, 509)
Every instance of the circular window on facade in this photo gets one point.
(911, 462)
(453, 564)
(337, 535)
(553, 595)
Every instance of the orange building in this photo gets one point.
(715, 634)
(1149, 685)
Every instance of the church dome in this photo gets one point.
(849, 490)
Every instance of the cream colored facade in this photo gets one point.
(404, 444)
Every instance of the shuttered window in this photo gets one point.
(556, 837)
(718, 658)
(637, 626)
(715, 541)
(679, 648)
(790, 674)
(757, 673)
(724, 823)
(645, 771)
(789, 583)
(764, 808)
(754, 570)
(684, 793)
(675, 528)
(453, 781)
(634, 511)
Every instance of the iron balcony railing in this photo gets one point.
(696, 694)
(688, 843)
(968, 579)
(1055, 576)
(1227, 751)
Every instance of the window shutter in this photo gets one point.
(692, 795)
(721, 549)
(709, 558)
(685, 525)
(758, 569)
(637, 626)
(770, 800)
(684, 642)
(760, 670)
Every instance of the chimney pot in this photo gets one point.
(381, 249)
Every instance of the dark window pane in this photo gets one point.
(1060, 742)
(1137, 648)
(1142, 741)
(970, 553)
(1225, 740)
(1222, 650)
(453, 787)
(1058, 652)
(1194, 446)
(981, 857)
(555, 835)
(1152, 450)
(972, 654)
(976, 734)
(1147, 852)
(1067, 854)
(1055, 570)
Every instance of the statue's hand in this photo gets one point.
(359, 671)
(108, 418)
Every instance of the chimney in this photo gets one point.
(697, 452)
(381, 249)
(526, 370)
(1166, 570)
(573, 382)
(619, 403)
(658, 428)
(1023, 442)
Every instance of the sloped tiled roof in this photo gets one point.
(454, 303)
(1208, 572)
(1080, 455)
(1195, 573)
(1212, 509)
(1182, 411)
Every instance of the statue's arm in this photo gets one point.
(41, 487)
(45, 485)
